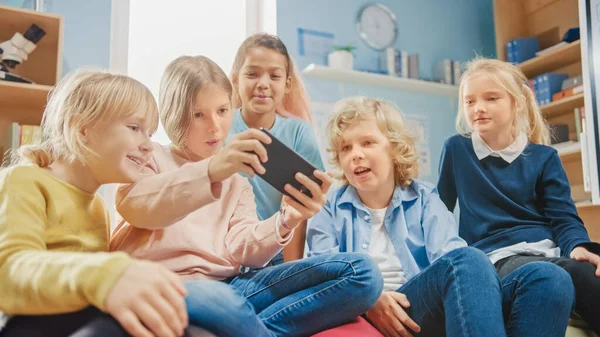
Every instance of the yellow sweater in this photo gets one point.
(53, 244)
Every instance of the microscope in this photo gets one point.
(16, 50)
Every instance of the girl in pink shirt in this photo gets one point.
(195, 215)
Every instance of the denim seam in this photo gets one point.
(296, 273)
(460, 304)
(510, 314)
(316, 293)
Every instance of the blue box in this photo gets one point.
(547, 85)
(524, 48)
(510, 52)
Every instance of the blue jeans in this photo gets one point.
(537, 298)
(457, 295)
(461, 295)
(298, 298)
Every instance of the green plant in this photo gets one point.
(348, 48)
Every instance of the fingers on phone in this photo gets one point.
(311, 185)
(301, 197)
(252, 160)
(256, 134)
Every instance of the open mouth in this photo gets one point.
(362, 171)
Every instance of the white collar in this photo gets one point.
(509, 154)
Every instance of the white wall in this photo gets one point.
(146, 35)
(158, 34)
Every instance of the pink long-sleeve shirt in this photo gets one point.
(176, 217)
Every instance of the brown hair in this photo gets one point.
(295, 102)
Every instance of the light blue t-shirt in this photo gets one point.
(296, 134)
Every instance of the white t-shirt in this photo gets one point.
(383, 252)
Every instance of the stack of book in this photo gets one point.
(18, 135)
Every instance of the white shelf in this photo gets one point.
(379, 80)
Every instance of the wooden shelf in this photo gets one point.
(563, 106)
(568, 151)
(584, 204)
(558, 58)
(379, 80)
(23, 103)
(44, 63)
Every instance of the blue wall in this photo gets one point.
(435, 29)
(86, 30)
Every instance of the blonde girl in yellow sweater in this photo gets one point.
(56, 277)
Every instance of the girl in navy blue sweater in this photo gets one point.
(514, 196)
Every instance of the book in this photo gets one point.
(567, 92)
(18, 135)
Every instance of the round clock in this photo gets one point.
(376, 25)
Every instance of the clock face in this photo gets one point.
(377, 26)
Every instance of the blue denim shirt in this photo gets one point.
(420, 226)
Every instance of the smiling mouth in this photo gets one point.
(137, 161)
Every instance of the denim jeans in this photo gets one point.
(298, 298)
(457, 295)
(461, 295)
(582, 276)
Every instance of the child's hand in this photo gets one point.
(244, 153)
(388, 316)
(297, 212)
(582, 254)
(148, 300)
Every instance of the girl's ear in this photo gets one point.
(288, 84)
(84, 133)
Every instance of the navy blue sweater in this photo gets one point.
(502, 204)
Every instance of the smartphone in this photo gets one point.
(282, 165)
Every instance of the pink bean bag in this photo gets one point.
(357, 328)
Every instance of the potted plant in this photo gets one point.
(341, 57)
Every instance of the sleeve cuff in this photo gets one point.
(282, 240)
(107, 277)
(592, 247)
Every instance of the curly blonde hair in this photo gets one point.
(84, 97)
(391, 123)
(528, 118)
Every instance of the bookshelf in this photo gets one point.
(563, 106)
(22, 102)
(379, 80)
(564, 55)
(549, 20)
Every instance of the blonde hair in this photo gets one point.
(83, 98)
(528, 118)
(296, 102)
(180, 83)
(392, 125)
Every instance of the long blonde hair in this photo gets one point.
(391, 123)
(180, 83)
(296, 102)
(83, 98)
(528, 118)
